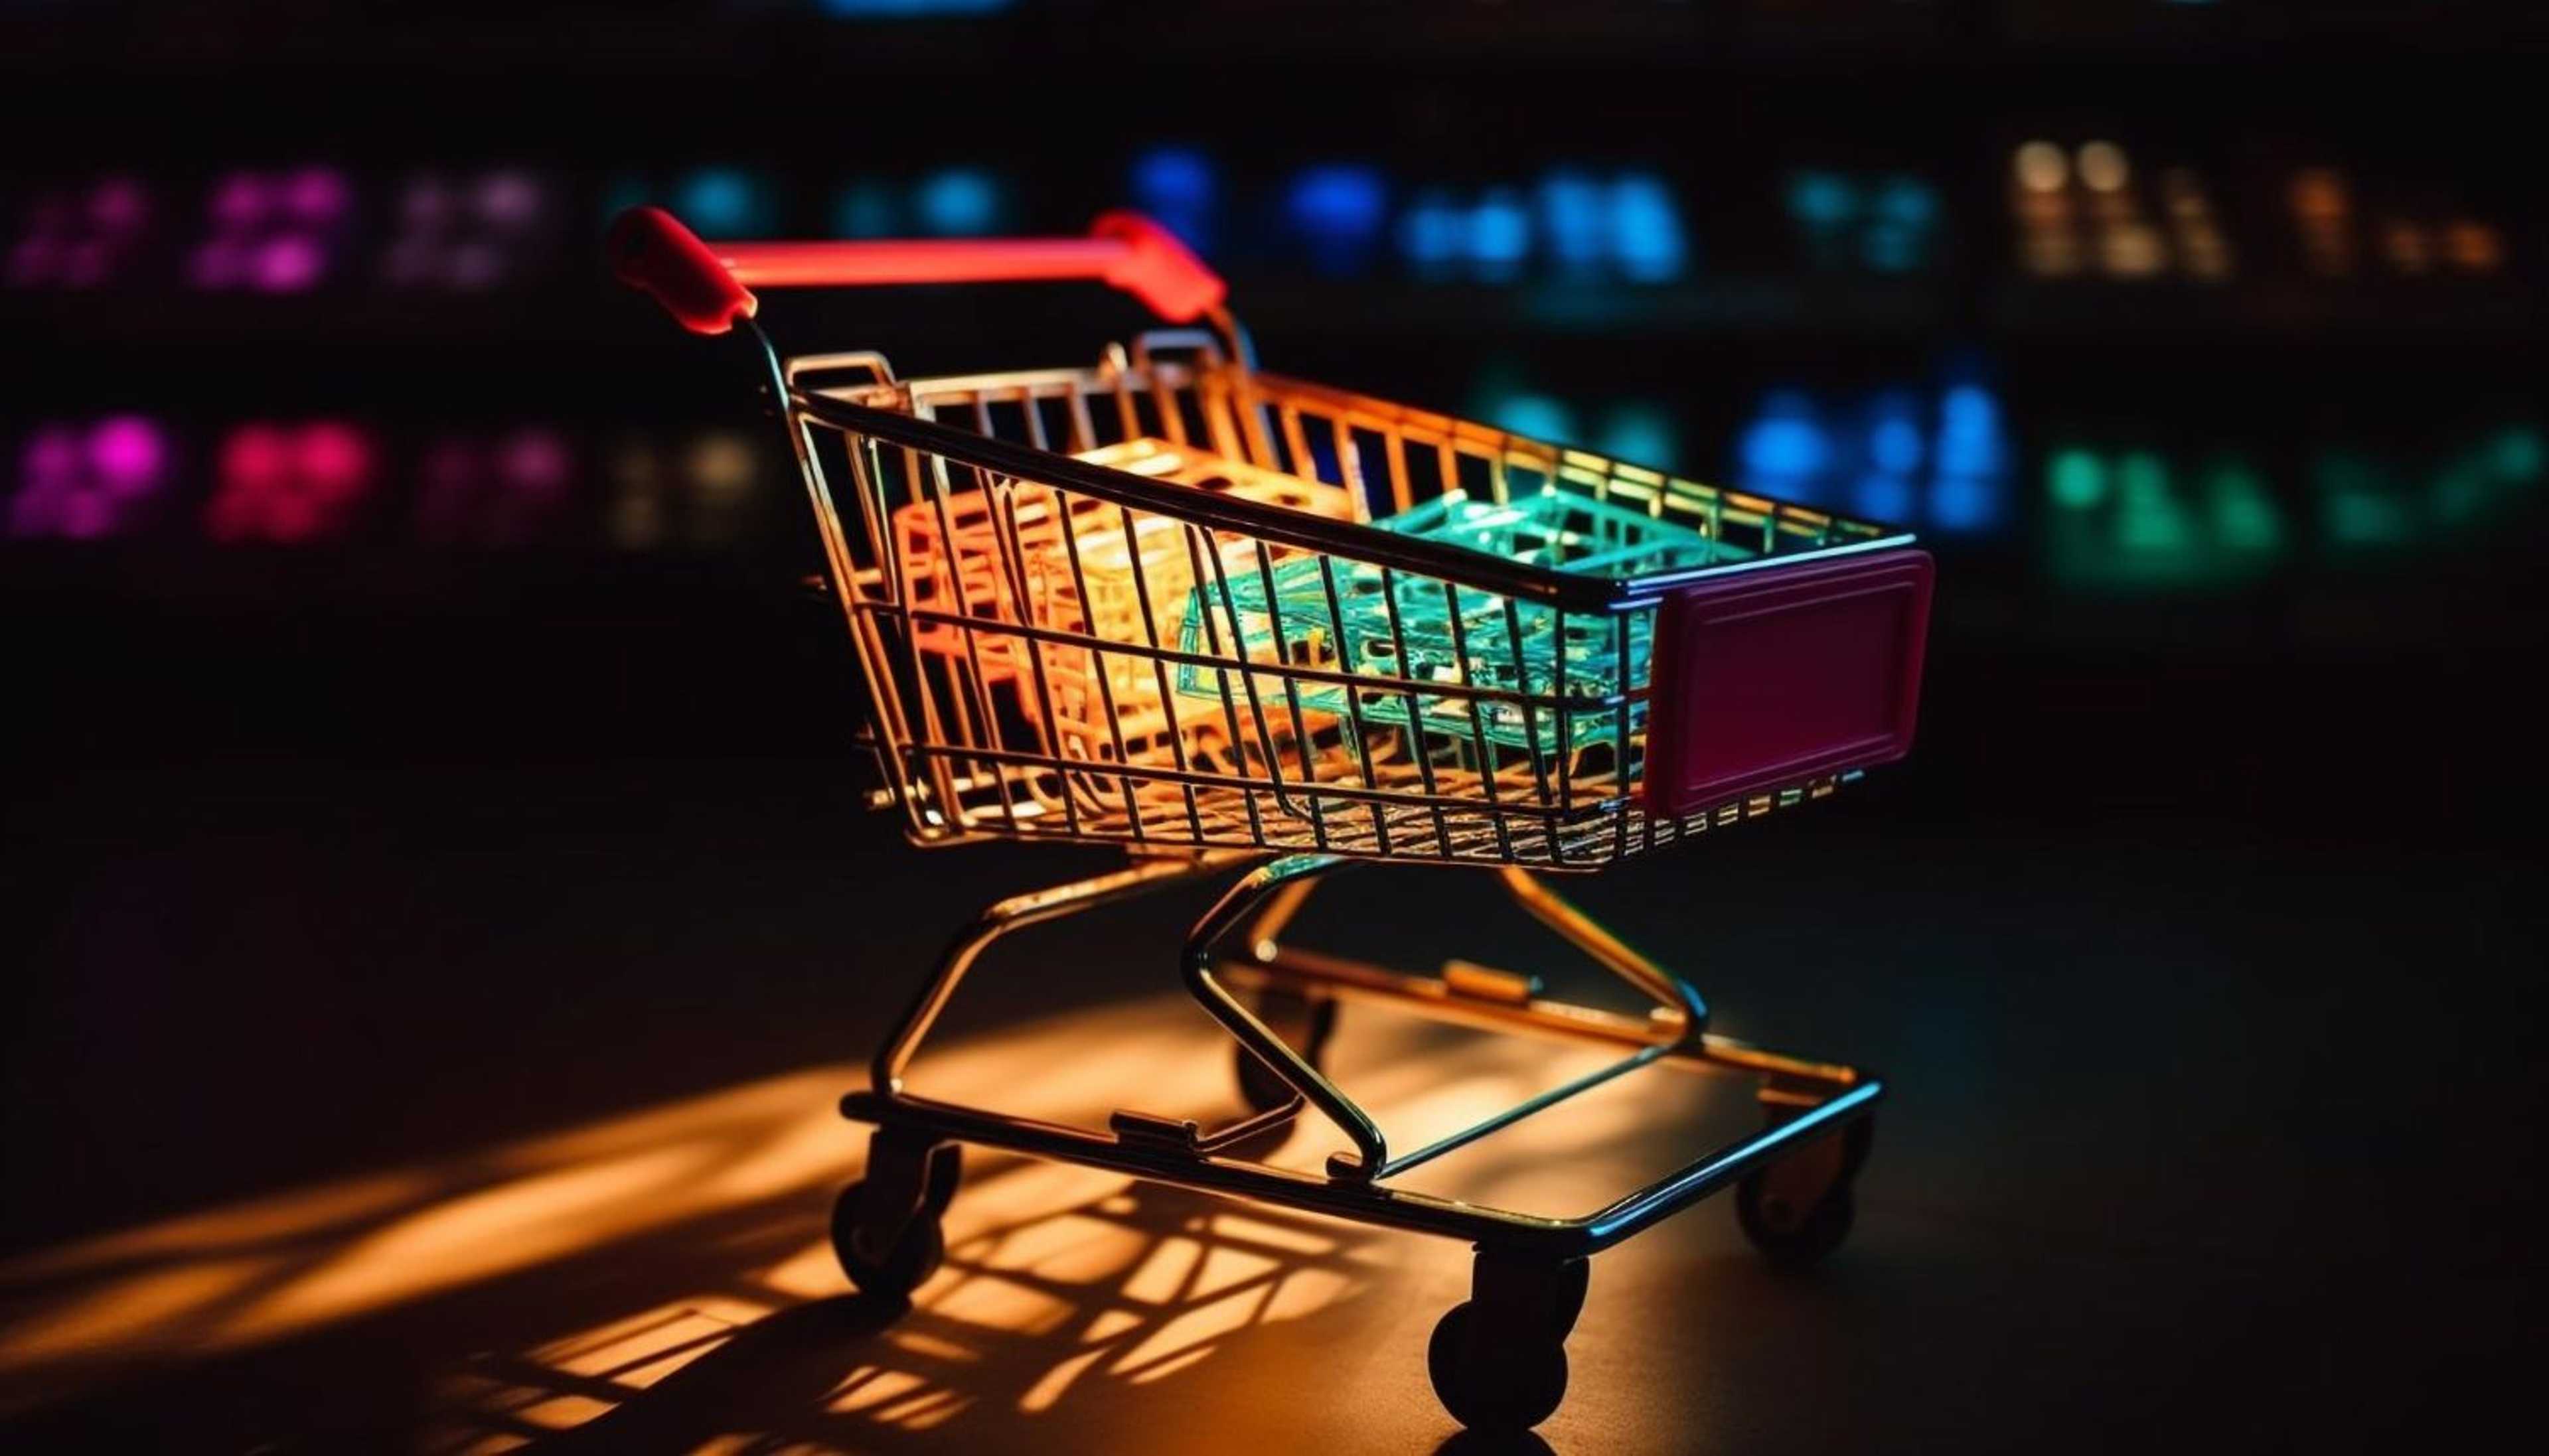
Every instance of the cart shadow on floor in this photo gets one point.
(664, 1279)
(1049, 1332)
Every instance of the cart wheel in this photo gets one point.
(1798, 1210)
(901, 1267)
(1492, 1378)
(1303, 1023)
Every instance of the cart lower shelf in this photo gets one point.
(1498, 1361)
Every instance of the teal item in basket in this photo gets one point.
(1331, 613)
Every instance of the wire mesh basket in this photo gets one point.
(1169, 601)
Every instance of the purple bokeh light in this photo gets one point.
(84, 483)
(290, 263)
(127, 455)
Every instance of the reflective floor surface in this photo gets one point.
(2179, 1157)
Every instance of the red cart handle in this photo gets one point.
(702, 285)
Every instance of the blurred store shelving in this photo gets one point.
(2124, 303)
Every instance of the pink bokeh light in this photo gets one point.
(127, 455)
(82, 483)
(335, 459)
(275, 233)
(289, 484)
(75, 238)
(316, 195)
(218, 263)
(240, 201)
(509, 198)
(473, 266)
(289, 262)
(119, 205)
(535, 460)
(52, 456)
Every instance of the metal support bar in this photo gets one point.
(1661, 1199)
(1361, 1201)
(1587, 935)
(1258, 893)
(1520, 1111)
(1016, 913)
(1259, 905)
(1356, 980)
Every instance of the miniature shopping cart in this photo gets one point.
(1233, 622)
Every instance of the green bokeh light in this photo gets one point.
(2243, 511)
(2075, 479)
(2518, 454)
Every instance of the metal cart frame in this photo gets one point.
(964, 628)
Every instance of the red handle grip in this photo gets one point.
(650, 250)
(703, 286)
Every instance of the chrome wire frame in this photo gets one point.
(1060, 647)
(971, 640)
(1236, 947)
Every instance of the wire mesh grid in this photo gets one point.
(1208, 607)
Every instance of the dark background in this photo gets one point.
(516, 786)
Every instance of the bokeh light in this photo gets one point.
(1177, 188)
(290, 483)
(726, 202)
(82, 482)
(960, 202)
(275, 233)
(1339, 211)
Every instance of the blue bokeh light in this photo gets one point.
(725, 201)
(1340, 212)
(1821, 201)
(1574, 216)
(1785, 447)
(1894, 443)
(1969, 432)
(867, 207)
(1883, 498)
(1640, 433)
(1967, 504)
(1905, 199)
(1537, 415)
(1432, 234)
(1177, 186)
(960, 202)
(1645, 229)
(1499, 236)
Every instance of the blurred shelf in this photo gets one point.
(164, 571)
(591, 312)
(529, 331)
(2270, 312)
(1708, 307)
(329, 315)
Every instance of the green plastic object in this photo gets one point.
(1335, 615)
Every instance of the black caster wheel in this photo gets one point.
(903, 1260)
(897, 1268)
(1495, 1379)
(1799, 1210)
(1304, 1024)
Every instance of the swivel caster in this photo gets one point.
(1498, 1361)
(1799, 1209)
(1300, 1021)
(888, 1244)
